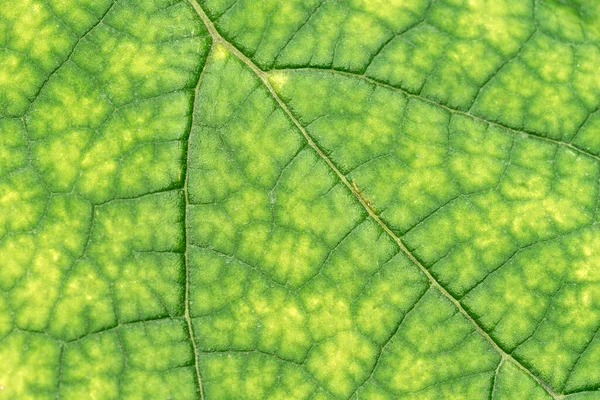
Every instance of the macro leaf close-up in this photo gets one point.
(300, 199)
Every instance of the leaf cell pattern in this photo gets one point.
(320, 199)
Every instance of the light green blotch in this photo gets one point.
(254, 376)
(480, 153)
(458, 76)
(513, 315)
(309, 199)
(358, 257)
(157, 345)
(248, 24)
(243, 137)
(587, 138)
(13, 145)
(463, 241)
(130, 62)
(315, 43)
(387, 296)
(399, 15)
(216, 280)
(138, 40)
(68, 102)
(352, 120)
(289, 257)
(57, 158)
(19, 82)
(149, 167)
(60, 239)
(79, 16)
(163, 118)
(91, 367)
(583, 256)
(146, 155)
(281, 329)
(569, 206)
(555, 112)
(267, 318)
(555, 189)
(85, 303)
(550, 109)
(160, 361)
(145, 224)
(25, 373)
(29, 21)
(357, 33)
(17, 253)
(586, 80)
(511, 383)
(22, 201)
(6, 317)
(149, 285)
(556, 345)
(423, 141)
(435, 344)
(328, 310)
(342, 362)
(530, 172)
(570, 21)
(549, 58)
(152, 21)
(503, 25)
(585, 372)
(418, 51)
(417, 178)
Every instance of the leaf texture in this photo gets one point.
(321, 199)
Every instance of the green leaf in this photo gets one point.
(305, 199)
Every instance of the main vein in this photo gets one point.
(217, 38)
(187, 314)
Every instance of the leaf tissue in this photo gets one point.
(300, 199)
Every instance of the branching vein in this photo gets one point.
(262, 75)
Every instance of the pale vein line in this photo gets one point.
(495, 378)
(186, 258)
(217, 38)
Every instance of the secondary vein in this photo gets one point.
(187, 244)
(469, 114)
(262, 75)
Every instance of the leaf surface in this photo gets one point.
(304, 199)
